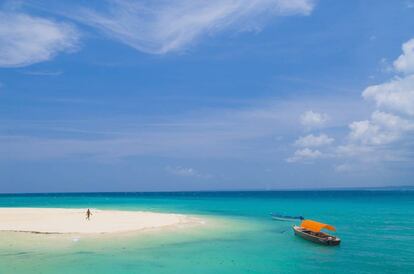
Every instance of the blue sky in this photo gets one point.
(123, 95)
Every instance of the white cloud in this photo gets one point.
(386, 136)
(369, 133)
(162, 26)
(405, 62)
(383, 128)
(314, 140)
(396, 95)
(25, 40)
(311, 119)
(391, 122)
(305, 154)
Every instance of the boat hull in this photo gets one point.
(279, 217)
(283, 219)
(325, 240)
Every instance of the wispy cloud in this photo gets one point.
(43, 72)
(162, 26)
(344, 168)
(314, 140)
(26, 39)
(225, 133)
(409, 4)
(251, 132)
(150, 26)
(186, 172)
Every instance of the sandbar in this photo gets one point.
(67, 220)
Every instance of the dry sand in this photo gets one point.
(60, 220)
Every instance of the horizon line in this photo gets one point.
(383, 188)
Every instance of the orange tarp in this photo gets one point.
(315, 226)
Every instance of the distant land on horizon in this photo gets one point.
(378, 188)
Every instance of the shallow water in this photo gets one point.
(376, 228)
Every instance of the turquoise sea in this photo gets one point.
(376, 228)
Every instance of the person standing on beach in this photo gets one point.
(88, 214)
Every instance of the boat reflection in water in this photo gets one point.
(311, 231)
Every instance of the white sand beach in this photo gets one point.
(62, 220)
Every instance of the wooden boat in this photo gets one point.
(311, 231)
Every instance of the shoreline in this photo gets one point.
(73, 221)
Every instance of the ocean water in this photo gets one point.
(376, 228)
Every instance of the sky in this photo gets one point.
(163, 95)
